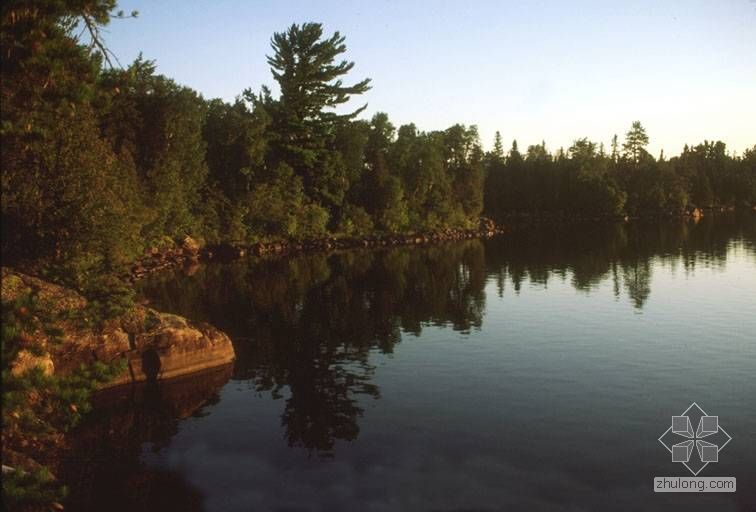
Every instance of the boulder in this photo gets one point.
(26, 361)
(486, 224)
(174, 347)
(190, 247)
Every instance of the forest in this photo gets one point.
(101, 161)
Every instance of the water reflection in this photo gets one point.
(304, 327)
(432, 378)
(103, 465)
(590, 253)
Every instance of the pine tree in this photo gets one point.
(498, 147)
(305, 67)
(636, 141)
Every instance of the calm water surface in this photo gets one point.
(534, 371)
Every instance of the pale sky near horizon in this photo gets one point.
(552, 71)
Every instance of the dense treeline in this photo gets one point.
(100, 162)
(587, 181)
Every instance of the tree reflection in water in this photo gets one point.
(304, 326)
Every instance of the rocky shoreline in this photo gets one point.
(54, 348)
(189, 252)
(152, 345)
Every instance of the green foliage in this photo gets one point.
(277, 206)
(66, 197)
(30, 490)
(313, 221)
(305, 67)
(99, 163)
(58, 401)
(156, 125)
(354, 221)
(304, 124)
(237, 142)
(108, 297)
(464, 164)
(587, 182)
(37, 407)
(435, 177)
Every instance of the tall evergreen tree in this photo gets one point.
(498, 147)
(636, 141)
(310, 79)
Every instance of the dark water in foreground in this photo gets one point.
(534, 371)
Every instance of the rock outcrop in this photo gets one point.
(26, 360)
(190, 248)
(155, 345)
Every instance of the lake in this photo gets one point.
(532, 371)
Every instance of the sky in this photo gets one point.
(536, 71)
